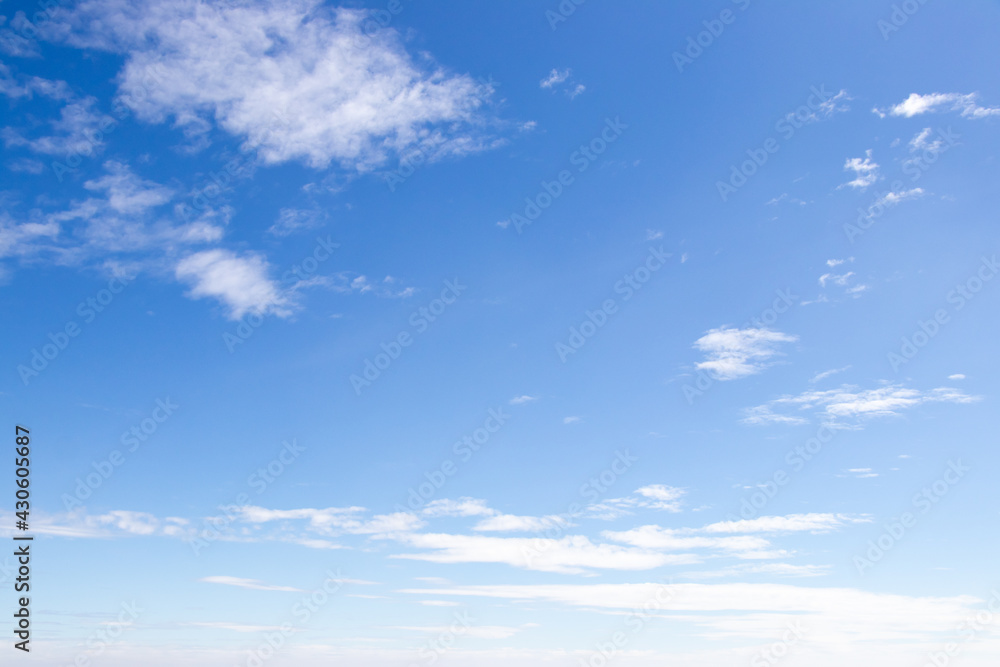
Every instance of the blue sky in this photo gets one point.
(412, 333)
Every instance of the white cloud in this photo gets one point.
(861, 473)
(571, 420)
(664, 497)
(292, 220)
(893, 198)
(919, 142)
(23, 238)
(555, 77)
(241, 283)
(813, 523)
(778, 569)
(653, 496)
(252, 584)
(736, 353)
(843, 280)
(763, 414)
(338, 520)
(521, 400)
(865, 171)
(295, 80)
(832, 263)
(839, 280)
(850, 405)
(27, 166)
(510, 523)
(233, 627)
(825, 374)
(956, 376)
(917, 104)
(124, 215)
(664, 539)
(476, 631)
(570, 555)
(461, 507)
(137, 523)
(835, 617)
(77, 130)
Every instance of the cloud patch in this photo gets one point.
(737, 353)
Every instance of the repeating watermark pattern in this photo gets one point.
(581, 158)
(438, 646)
(133, 438)
(88, 310)
(627, 287)
(214, 529)
(970, 628)
(108, 634)
(900, 16)
(820, 101)
(698, 44)
(464, 449)
(928, 329)
(377, 21)
(773, 654)
(420, 320)
(593, 490)
(797, 458)
(606, 651)
(923, 502)
(562, 12)
(303, 611)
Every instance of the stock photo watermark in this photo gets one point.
(134, 438)
(465, 449)
(928, 329)
(698, 44)
(797, 458)
(777, 651)
(606, 651)
(923, 502)
(819, 101)
(594, 320)
(550, 191)
(420, 320)
(88, 310)
(900, 16)
(213, 529)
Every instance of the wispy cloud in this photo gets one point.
(295, 81)
(554, 78)
(916, 105)
(866, 171)
(736, 353)
(521, 400)
(850, 405)
(825, 374)
(561, 79)
(252, 584)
